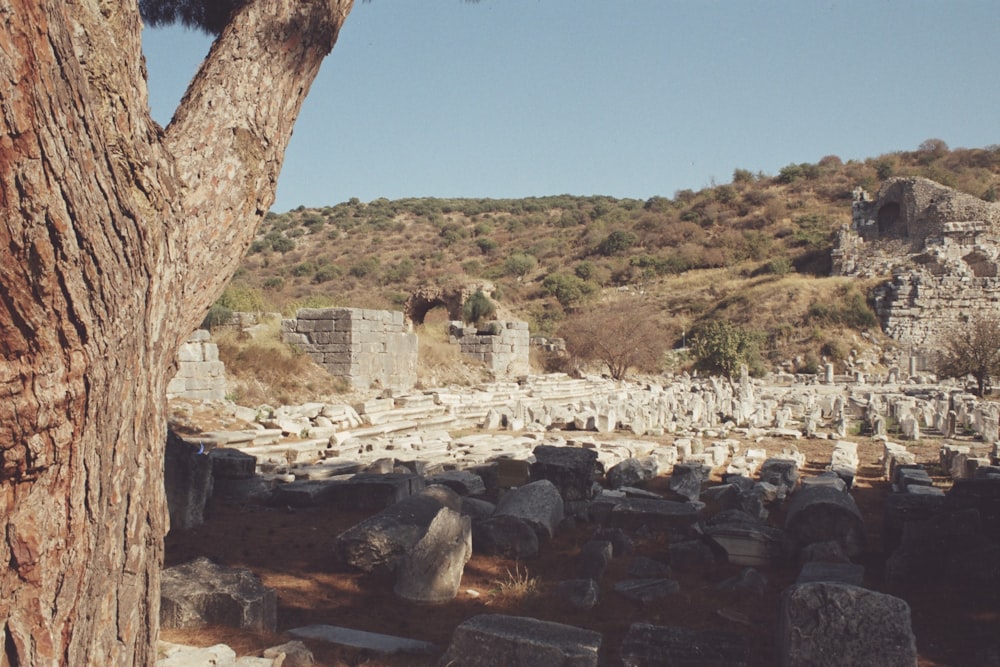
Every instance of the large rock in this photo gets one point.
(200, 593)
(749, 543)
(632, 471)
(648, 645)
(538, 503)
(380, 541)
(432, 571)
(660, 516)
(827, 624)
(821, 514)
(571, 469)
(781, 472)
(495, 640)
(686, 479)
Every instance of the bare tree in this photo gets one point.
(621, 336)
(117, 235)
(973, 349)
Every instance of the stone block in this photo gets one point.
(571, 469)
(495, 640)
(821, 513)
(431, 571)
(360, 639)
(200, 593)
(187, 481)
(648, 645)
(538, 503)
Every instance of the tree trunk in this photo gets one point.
(117, 235)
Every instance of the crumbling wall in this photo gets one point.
(502, 345)
(200, 374)
(365, 347)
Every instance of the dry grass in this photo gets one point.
(515, 587)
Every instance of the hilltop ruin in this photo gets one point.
(942, 249)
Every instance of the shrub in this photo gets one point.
(366, 267)
(973, 349)
(326, 273)
(568, 290)
(778, 266)
(616, 242)
(519, 264)
(621, 336)
(241, 298)
(217, 316)
(477, 308)
(274, 283)
(486, 245)
(719, 346)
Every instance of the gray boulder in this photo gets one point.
(821, 514)
(187, 480)
(538, 503)
(200, 593)
(632, 471)
(571, 469)
(830, 624)
(507, 536)
(648, 645)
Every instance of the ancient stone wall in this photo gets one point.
(365, 347)
(200, 374)
(502, 345)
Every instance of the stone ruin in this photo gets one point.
(436, 491)
(942, 248)
(200, 375)
(363, 346)
(429, 297)
(502, 346)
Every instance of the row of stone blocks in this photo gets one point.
(200, 374)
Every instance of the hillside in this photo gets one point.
(753, 252)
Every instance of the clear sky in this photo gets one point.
(627, 98)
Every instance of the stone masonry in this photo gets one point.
(368, 348)
(200, 374)
(502, 345)
(942, 248)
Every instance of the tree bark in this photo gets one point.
(116, 236)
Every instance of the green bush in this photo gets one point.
(486, 245)
(568, 290)
(276, 282)
(365, 267)
(616, 242)
(519, 264)
(719, 346)
(326, 273)
(241, 298)
(477, 308)
(217, 316)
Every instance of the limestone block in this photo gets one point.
(571, 469)
(647, 645)
(822, 513)
(837, 624)
(179, 655)
(201, 593)
(431, 571)
(187, 473)
(537, 503)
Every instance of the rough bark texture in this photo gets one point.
(116, 236)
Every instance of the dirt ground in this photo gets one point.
(292, 552)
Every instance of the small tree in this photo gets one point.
(621, 336)
(719, 346)
(972, 350)
(569, 290)
(477, 308)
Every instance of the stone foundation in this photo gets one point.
(502, 345)
(200, 374)
(365, 347)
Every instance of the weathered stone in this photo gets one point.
(632, 471)
(187, 480)
(749, 544)
(507, 536)
(621, 543)
(840, 573)
(819, 514)
(571, 469)
(537, 503)
(580, 593)
(383, 539)
(690, 555)
(686, 479)
(642, 567)
(230, 463)
(594, 558)
(781, 472)
(648, 645)
(462, 482)
(200, 593)
(926, 547)
(748, 581)
(662, 516)
(432, 570)
(179, 655)
(494, 640)
(292, 654)
(899, 508)
(837, 624)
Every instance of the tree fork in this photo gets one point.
(117, 236)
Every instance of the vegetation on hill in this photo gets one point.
(753, 253)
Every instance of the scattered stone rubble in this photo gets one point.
(552, 449)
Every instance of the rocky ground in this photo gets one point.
(292, 551)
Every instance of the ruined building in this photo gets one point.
(942, 250)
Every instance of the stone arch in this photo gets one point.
(890, 224)
(451, 299)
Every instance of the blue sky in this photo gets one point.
(627, 98)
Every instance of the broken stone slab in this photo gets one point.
(507, 536)
(642, 567)
(686, 479)
(496, 640)
(369, 641)
(647, 590)
(200, 593)
(179, 655)
(512, 472)
(662, 516)
(927, 547)
(462, 482)
(839, 573)
(919, 503)
(781, 472)
(748, 543)
(826, 623)
(632, 471)
(820, 514)
(621, 543)
(648, 645)
(571, 469)
(688, 555)
(594, 558)
(829, 479)
(380, 541)
(431, 571)
(538, 503)
(373, 491)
